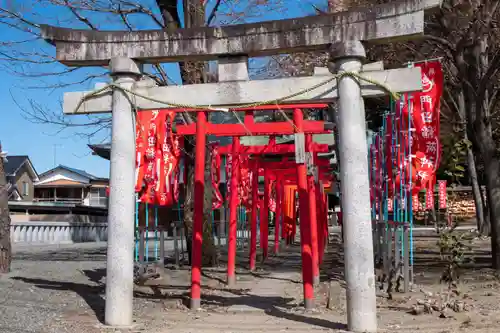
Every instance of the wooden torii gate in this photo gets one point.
(342, 33)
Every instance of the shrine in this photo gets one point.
(147, 165)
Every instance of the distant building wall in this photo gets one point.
(24, 184)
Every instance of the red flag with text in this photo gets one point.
(424, 145)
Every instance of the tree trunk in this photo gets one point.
(483, 225)
(5, 246)
(209, 251)
(492, 170)
(191, 73)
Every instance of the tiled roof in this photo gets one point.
(14, 163)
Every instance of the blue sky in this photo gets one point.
(21, 92)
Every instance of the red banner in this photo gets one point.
(415, 203)
(245, 182)
(442, 194)
(388, 151)
(157, 157)
(215, 165)
(429, 199)
(243, 177)
(379, 172)
(272, 196)
(424, 145)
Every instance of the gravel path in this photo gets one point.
(56, 289)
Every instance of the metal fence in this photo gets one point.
(154, 241)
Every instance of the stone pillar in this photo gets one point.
(120, 252)
(353, 154)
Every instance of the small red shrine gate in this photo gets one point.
(308, 187)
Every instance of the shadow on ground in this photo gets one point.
(63, 254)
(91, 294)
(279, 307)
(289, 260)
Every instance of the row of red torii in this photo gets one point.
(306, 171)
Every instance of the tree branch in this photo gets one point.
(81, 18)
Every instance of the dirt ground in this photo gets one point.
(62, 290)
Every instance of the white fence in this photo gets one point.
(46, 232)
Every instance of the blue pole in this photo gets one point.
(410, 110)
(156, 232)
(137, 236)
(147, 233)
(371, 163)
(383, 205)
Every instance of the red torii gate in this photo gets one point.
(286, 168)
(201, 129)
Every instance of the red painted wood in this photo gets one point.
(233, 214)
(251, 128)
(273, 149)
(253, 217)
(313, 220)
(279, 206)
(264, 224)
(199, 192)
(305, 233)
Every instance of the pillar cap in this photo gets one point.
(124, 66)
(347, 49)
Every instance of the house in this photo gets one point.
(67, 185)
(21, 176)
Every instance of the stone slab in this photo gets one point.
(380, 23)
(230, 94)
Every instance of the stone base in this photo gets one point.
(195, 304)
(309, 304)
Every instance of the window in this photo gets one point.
(26, 189)
(98, 196)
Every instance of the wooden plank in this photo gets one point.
(276, 128)
(230, 94)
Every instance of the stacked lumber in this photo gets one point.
(461, 205)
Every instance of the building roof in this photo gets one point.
(73, 170)
(15, 163)
(101, 150)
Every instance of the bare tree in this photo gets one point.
(127, 15)
(5, 246)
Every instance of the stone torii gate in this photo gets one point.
(342, 33)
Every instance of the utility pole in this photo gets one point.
(55, 153)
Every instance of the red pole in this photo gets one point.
(305, 233)
(295, 217)
(313, 227)
(253, 217)
(199, 192)
(279, 198)
(325, 231)
(233, 214)
(261, 218)
(284, 210)
(313, 214)
(321, 221)
(264, 224)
